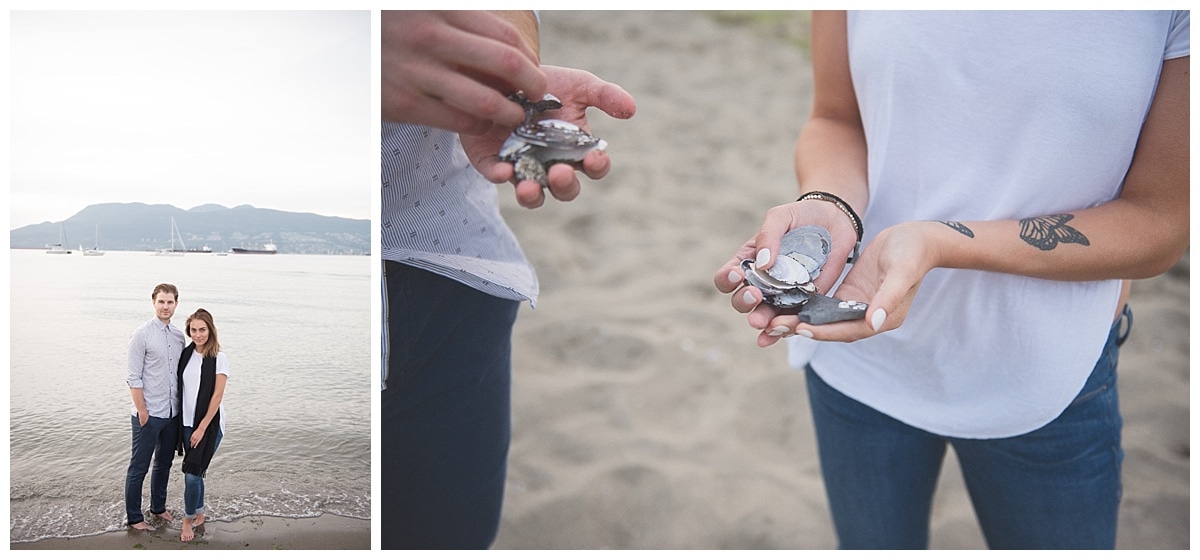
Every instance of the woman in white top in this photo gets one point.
(203, 371)
(1011, 168)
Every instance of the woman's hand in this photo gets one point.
(197, 435)
(887, 274)
(763, 248)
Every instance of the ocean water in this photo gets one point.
(297, 330)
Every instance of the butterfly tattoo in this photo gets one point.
(960, 228)
(1046, 232)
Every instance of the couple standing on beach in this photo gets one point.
(1005, 173)
(177, 393)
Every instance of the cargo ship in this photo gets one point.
(268, 249)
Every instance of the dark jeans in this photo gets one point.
(445, 418)
(1056, 487)
(193, 485)
(157, 439)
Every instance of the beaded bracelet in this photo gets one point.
(844, 207)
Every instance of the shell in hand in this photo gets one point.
(788, 284)
(536, 145)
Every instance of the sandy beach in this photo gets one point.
(325, 532)
(644, 415)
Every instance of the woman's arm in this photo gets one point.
(831, 153)
(1140, 234)
(831, 156)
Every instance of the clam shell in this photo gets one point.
(788, 283)
(546, 141)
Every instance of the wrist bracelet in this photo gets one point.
(845, 208)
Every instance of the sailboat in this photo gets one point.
(59, 248)
(172, 252)
(94, 251)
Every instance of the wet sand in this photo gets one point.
(325, 532)
(644, 415)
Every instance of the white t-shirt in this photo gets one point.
(191, 386)
(994, 116)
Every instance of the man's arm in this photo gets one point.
(135, 366)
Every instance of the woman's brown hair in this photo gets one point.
(211, 347)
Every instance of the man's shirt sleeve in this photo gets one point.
(136, 361)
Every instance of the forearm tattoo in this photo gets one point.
(960, 228)
(1046, 232)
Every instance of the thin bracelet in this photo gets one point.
(844, 207)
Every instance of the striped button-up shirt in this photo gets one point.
(439, 214)
(154, 351)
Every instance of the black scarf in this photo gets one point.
(196, 459)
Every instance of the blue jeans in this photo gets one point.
(445, 415)
(156, 439)
(1056, 487)
(193, 486)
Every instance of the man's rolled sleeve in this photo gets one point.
(136, 361)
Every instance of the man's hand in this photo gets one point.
(454, 69)
(578, 90)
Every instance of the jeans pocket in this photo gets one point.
(1104, 373)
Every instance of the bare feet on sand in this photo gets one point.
(187, 535)
(145, 525)
(199, 520)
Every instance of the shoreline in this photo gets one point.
(252, 532)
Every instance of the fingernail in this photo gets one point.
(804, 333)
(877, 319)
(764, 255)
(748, 297)
(778, 331)
(734, 277)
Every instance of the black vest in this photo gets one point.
(196, 459)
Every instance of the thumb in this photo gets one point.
(613, 100)
(774, 226)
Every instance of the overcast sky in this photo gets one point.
(270, 109)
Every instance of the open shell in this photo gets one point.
(788, 284)
(536, 145)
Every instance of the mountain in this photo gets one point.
(147, 227)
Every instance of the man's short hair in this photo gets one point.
(169, 288)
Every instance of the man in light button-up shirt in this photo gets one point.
(154, 351)
(454, 272)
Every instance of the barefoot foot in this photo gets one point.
(187, 535)
(199, 520)
(165, 515)
(141, 526)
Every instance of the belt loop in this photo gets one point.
(1124, 325)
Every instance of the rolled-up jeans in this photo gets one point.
(193, 486)
(1057, 487)
(156, 439)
